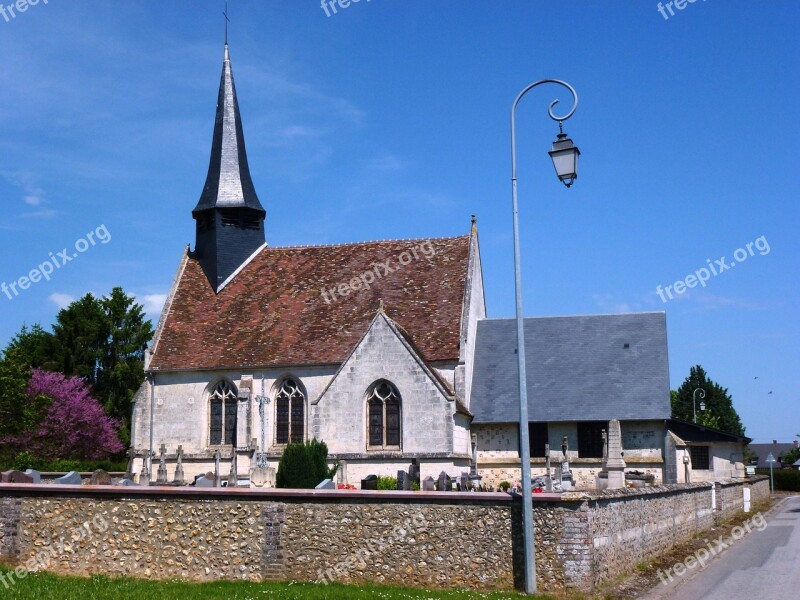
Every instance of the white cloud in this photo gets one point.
(153, 303)
(33, 200)
(62, 300)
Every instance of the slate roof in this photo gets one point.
(578, 368)
(761, 451)
(273, 313)
(228, 183)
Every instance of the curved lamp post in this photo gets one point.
(565, 160)
(694, 402)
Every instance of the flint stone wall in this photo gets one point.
(434, 539)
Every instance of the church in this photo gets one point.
(383, 350)
(365, 346)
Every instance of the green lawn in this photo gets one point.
(45, 586)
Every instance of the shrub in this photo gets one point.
(387, 482)
(787, 480)
(504, 485)
(304, 466)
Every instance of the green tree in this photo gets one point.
(790, 457)
(34, 348)
(719, 411)
(80, 332)
(121, 365)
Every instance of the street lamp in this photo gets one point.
(565, 160)
(771, 460)
(694, 402)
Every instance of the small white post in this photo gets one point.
(746, 492)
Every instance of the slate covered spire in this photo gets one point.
(229, 216)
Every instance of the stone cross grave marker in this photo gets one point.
(162, 465)
(179, 477)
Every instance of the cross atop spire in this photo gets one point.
(227, 20)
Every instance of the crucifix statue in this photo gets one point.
(261, 455)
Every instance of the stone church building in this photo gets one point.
(366, 346)
(383, 351)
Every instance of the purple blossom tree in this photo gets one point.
(74, 426)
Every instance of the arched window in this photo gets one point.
(383, 416)
(224, 406)
(290, 421)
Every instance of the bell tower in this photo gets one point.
(229, 217)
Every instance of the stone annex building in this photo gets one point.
(382, 350)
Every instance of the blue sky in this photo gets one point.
(389, 120)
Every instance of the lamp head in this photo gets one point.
(565, 159)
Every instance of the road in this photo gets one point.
(763, 564)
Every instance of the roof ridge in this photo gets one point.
(617, 314)
(432, 239)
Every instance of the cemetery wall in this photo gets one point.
(426, 539)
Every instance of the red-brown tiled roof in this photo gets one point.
(273, 312)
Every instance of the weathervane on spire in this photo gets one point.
(227, 20)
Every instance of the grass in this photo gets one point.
(46, 586)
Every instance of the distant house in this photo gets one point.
(761, 451)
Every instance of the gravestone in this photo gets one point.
(403, 481)
(217, 478)
(100, 477)
(162, 465)
(445, 483)
(35, 475)
(15, 477)
(413, 470)
(233, 474)
(71, 478)
(263, 477)
(207, 480)
(326, 484)
(179, 476)
(126, 481)
(370, 482)
(131, 458)
(428, 484)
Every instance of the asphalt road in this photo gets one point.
(763, 564)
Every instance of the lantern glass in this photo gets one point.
(565, 159)
(702, 406)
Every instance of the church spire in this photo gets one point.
(230, 218)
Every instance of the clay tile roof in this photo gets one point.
(274, 313)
